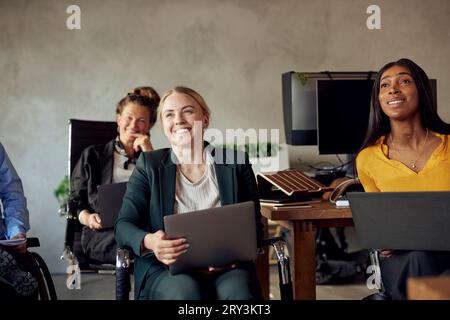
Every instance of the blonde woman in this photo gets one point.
(186, 177)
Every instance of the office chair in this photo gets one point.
(284, 267)
(83, 133)
(46, 287)
(124, 269)
(33, 263)
(374, 255)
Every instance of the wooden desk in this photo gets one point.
(302, 223)
(429, 288)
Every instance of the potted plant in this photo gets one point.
(62, 195)
(264, 156)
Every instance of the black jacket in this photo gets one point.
(94, 168)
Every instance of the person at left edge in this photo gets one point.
(15, 281)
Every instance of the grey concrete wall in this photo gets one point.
(233, 52)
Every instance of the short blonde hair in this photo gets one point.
(190, 92)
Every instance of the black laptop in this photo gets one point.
(110, 198)
(217, 237)
(402, 220)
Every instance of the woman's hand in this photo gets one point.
(386, 253)
(212, 269)
(142, 142)
(221, 269)
(21, 248)
(92, 220)
(167, 251)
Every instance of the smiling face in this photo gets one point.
(398, 94)
(183, 119)
(134, 119)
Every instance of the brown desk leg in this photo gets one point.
(304, 260)
(262, 265)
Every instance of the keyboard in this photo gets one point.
(290, 182)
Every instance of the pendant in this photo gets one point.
(413, 165)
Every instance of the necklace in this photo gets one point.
(413, 164)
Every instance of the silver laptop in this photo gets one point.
(217, 236)
(402, 220)
(110, 198)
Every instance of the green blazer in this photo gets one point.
(150, 196)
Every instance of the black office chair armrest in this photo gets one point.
(284, 265)
(33, 242)
(269, 241)
(374, 255)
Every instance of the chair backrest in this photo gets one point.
(83, 133)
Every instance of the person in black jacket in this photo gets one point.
(112, 162)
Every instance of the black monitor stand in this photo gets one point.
(350, 165)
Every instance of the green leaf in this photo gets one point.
(303, 79)
(62, 191)
(263, 149)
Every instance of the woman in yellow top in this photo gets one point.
(406, 149)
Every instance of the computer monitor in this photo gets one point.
(299, 109)
(342, 114)
(299, 102)
(343, 108)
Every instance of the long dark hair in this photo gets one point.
(379, 123)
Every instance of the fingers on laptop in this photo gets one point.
(167, 251)
(168, 256)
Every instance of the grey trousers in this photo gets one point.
(396, 269)
(234, 284)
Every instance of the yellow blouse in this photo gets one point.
(379, 173)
